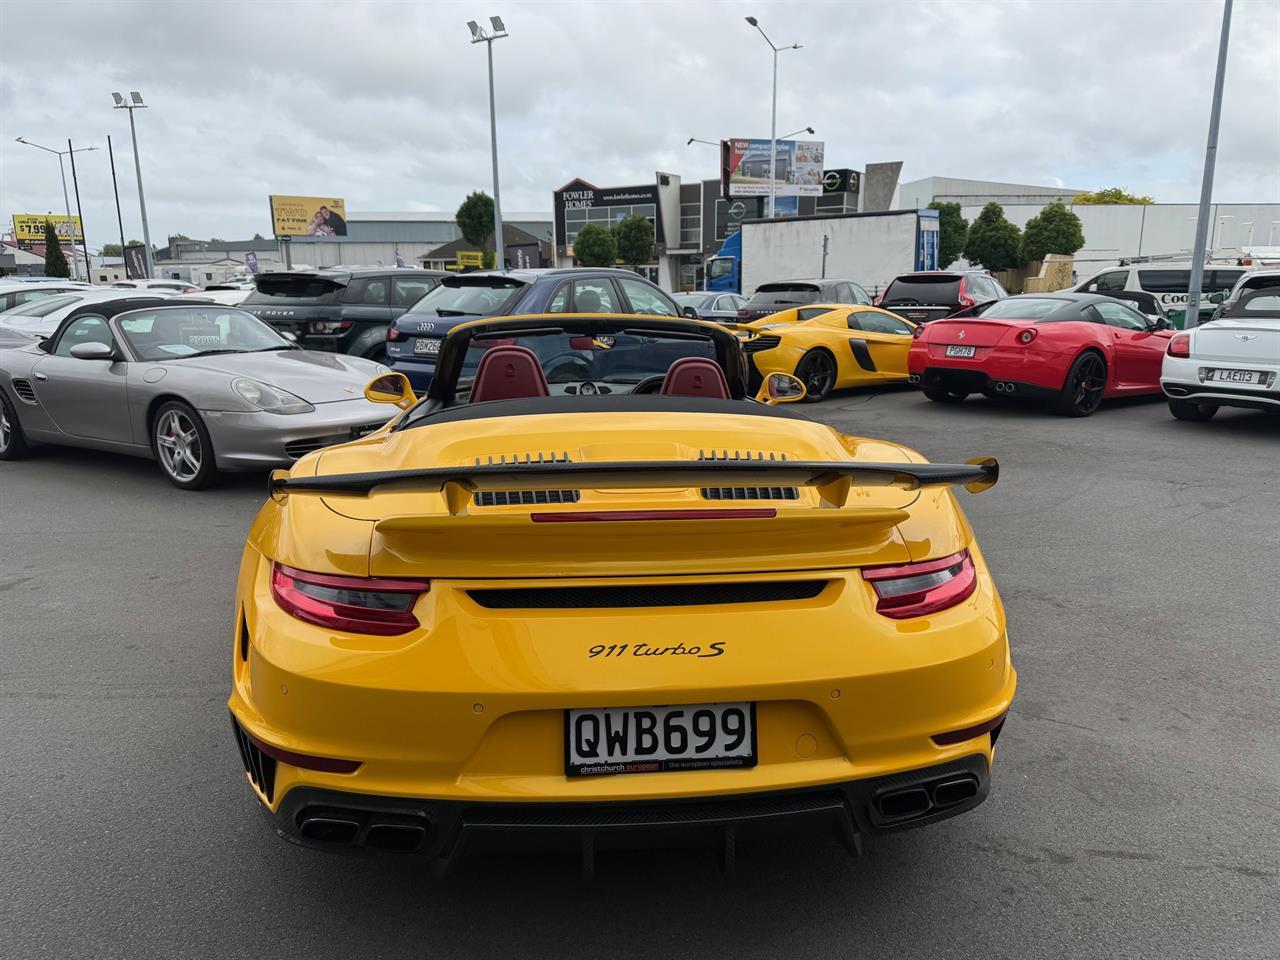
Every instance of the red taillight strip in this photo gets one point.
(343, 616)
(969, 733)
(604, 516)
(912, 569)
(304, 760)
(339, 582)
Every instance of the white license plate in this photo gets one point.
(1235, 376)
(697, 736)
(954, 350)
(423, 345)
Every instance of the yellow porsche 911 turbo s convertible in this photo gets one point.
(831, 346)
(588, 587)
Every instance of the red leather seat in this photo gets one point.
(695, 377)
(508, 373)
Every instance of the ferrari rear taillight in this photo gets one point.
(919, 589)
(917, 332)
(1026, 336)
(1180, 346)
(372, 605)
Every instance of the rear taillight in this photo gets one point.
(964, 299)
(330, 327)
(1180, 346)
(371, 605)
(744, 314)
(917, 332)
(393, 333)
(919, 589)
(1026, 336)
(878, 297)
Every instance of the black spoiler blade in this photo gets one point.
(834, 478)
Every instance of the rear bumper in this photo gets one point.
(969, 380)
(441, 830)
(1180, 380)
(419, 371)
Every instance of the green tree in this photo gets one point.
(216, 240)
(55, 261)
(634, 238)
(1055, 229)
(1109, 195)
(953, 229)
(475, 220)
(993, 241)
(258, 236)
(595, 247)
(115, 250)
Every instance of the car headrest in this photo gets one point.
(695, 377)
(586, 301)
(508, 373)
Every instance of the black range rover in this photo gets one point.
(342, 311)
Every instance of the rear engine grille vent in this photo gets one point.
(260, 767)
(524, 498)
(522, 459)
(647, 595)
(24, 390)
(750, 493)
(736, 455)
(759, 344)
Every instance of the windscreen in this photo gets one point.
(584, 364)
(479, 297)
(689, 299)
(782, 295)
(42, 307)
(1021, 308)
(172, 334)
(302, 288)
(923, 290)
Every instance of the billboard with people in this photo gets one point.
(797, 168)
(309, 216)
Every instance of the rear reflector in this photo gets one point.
(968, 733)
(606, 516)
(305, 760)
(382, 606)
(919, 589)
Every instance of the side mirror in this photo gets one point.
(93, 351)
(781, 388)
(1162, 323)
(391, 388)
(689, 313)
(289, 335)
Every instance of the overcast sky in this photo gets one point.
(385, 103)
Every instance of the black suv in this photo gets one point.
(933, 294)
(770, 298)
(342, 311)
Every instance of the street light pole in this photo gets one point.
(1192, 316)
(66, 200)
(135, 103)
(773, 117)
(84, 240)
(480, 35)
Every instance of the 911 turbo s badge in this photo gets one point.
(715, 649)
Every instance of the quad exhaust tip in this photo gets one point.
(908, 803)
(1004, 386)
(340, 830)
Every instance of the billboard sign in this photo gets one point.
(29, 227)
(251, 261)
(135, 261)
(744, 168)
(309, 216)
(842, 180)
(470, 258)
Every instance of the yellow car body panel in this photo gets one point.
(830, 331)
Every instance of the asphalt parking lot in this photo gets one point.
(1135, 809)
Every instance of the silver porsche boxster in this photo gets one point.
(198, 387)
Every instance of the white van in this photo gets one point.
(1168, 282)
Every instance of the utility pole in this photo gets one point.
(1192, 316)
(84, 234)
(135, 103)
(116, 190)
(75, 270)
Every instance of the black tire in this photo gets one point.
(1191, 410)
(13, 443)
(1082, 390)
(181, 446)
(943, 395)
(378, 354)
(817, 369)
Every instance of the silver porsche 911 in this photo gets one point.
(200, 388)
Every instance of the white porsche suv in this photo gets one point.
(1231, 362)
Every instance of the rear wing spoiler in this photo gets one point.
(832, 479)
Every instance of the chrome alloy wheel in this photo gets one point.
(178, 444)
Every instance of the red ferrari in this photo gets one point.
(1072, 349)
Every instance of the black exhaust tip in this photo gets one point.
(903, 803)
(947, 793)
(330, 830)
(400, 837)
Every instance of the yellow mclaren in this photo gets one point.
(587, 587)
(830, 346)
